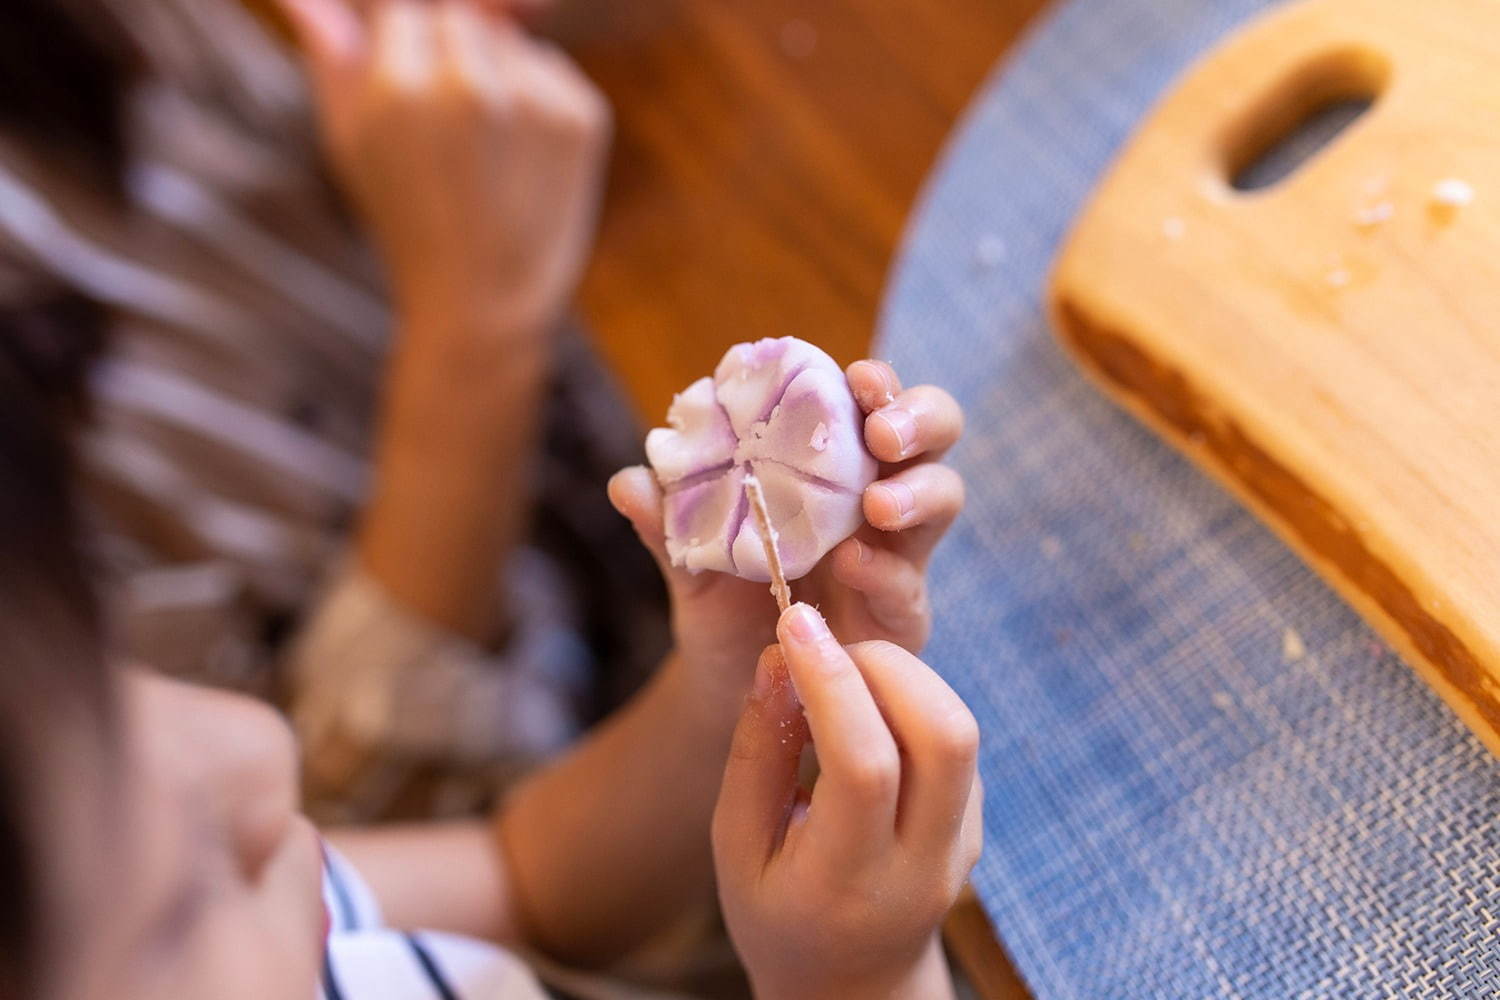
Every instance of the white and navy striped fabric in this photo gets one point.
(365, 960)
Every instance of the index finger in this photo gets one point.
(854, 800)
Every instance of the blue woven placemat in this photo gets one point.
(1206, 777)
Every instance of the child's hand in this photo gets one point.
(473, 150)
(839, 894)
(872, 586)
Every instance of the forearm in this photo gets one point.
(611, 844)
(458, 433)
(435, 876)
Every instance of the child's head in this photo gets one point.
(149, 839)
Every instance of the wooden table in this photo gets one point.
(765, 160)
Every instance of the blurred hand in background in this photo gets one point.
(473, 151)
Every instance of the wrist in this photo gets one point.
(716, 679)
(500, 313)
(708, 705)
(469, 329)
(459, 381)
(926, 978)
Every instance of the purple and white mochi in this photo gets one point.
(780, 410)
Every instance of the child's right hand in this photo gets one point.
(840, 894)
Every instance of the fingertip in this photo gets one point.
(326, 29)
(873, 383)
(772, 659)
(630, 487)
(617, 490)
(891, 433)
(802, 626)
(770, 674)
(888, 504)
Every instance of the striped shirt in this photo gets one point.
(227, 458)
(366, 960)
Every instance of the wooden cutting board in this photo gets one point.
(1327, 347)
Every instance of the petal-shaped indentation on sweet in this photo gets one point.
(782, 409)
(816, 409)
(702, 517)
(698, 437)
(809, 519)
(752, 378)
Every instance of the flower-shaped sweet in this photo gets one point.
(780, 410)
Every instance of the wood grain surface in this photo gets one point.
(765, 160)
(1329, 346)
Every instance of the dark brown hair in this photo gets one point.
(64, 67)
(52, 667)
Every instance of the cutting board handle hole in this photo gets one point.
(1302, 115)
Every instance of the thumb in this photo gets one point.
(637, 495)
(760, 791)
(332, 38)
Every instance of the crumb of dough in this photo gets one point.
(820, 436)
(1173, 228)
(1223, 700)
(1051, 546)
(1338, 277)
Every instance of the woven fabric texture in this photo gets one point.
(1206, 777)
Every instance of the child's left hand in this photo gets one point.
(871, 586)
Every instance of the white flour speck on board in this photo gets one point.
(1370, 216)
(1452, 193)
(989, 251)
(1051, 546)
(1223, 700)
(1292, 648)
(1173, 228)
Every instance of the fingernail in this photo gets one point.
(762, 684)
(902, 496)
(902, 424)
(863, 553)
(804, 623)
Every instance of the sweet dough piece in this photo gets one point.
(780, 410)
